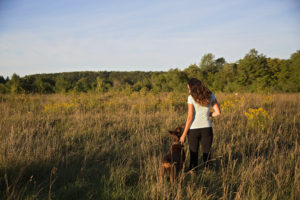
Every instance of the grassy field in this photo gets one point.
(109, 146)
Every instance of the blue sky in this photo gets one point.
(46, 36)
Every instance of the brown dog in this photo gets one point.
(174, 160)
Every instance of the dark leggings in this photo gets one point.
(205, 135)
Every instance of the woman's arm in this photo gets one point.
(216, 108)
(188, 122)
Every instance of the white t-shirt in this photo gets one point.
(201, 113)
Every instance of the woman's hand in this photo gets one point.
(182, 139)
(217, 110)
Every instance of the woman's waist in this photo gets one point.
(200, 124)
(201, 116)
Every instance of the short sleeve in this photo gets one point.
(190, 100)
(213, 97)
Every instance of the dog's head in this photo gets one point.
(176, 134)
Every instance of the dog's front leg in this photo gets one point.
(172, 173)
(162, 172)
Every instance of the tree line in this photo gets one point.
(253, 73)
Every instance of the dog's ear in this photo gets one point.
(174, 135)
(182, 126)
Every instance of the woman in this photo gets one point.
(198, 126)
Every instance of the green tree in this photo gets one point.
(253, 72)
(82, 85)
(102, 85)
(2, 80)
(278, 74)
(224, 80)
(128, 89)
(146, 83)
(193, 71)
(3, 89)
(176, 80)
(219, 63)
(159, 83)
(295, 72)
(15, 84)
(208, 63)
(42, 86)
(208, 69)
(62, 84)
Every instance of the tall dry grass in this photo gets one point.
(93, 146)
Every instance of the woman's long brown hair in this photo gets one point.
(200, 93)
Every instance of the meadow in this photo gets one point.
(109, 146)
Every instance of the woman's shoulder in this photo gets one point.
(190, 99)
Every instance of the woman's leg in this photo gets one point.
(206, 142)
(193, 137)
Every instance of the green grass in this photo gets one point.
(109, 146)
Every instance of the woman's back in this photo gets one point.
(201, 113)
